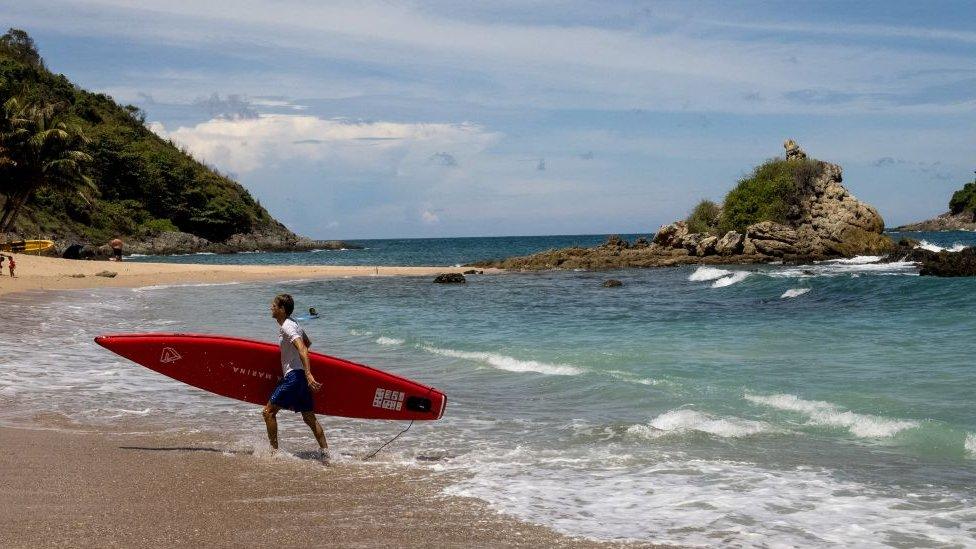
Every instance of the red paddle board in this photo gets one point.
(249, 370)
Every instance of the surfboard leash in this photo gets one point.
(387, 443)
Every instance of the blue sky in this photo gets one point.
(410, 119)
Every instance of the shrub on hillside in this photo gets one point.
(704, 218)
(767, 194)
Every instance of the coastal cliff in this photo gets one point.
(793, 209)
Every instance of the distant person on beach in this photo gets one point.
(312, 313)
(116, 245)
(11, 264)
(294, 391)
(2, 257)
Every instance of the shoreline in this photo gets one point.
(68, 488)
(48, 273)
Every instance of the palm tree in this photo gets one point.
(42, 150)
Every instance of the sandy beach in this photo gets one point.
(48, 273)
(67, 486)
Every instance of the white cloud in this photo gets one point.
(691, 66)
(429, 217)
(244, 145)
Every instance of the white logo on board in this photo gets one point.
(169, 355)
(388, 400)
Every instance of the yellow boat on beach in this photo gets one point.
(27, 246)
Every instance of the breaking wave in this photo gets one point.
(685, 421)
(503, 362)
(702, 274)
(824, 413)
(926, 245)
(734, 278)
(794, 292)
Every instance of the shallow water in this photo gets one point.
(759, 406)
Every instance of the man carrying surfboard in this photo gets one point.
(294, 391)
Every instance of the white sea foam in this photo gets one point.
(383, 340)
(857, 260)
(137, 255)
(926, 245)
(702, 274)
(845, 267)
(631, 378)
(168, 286)
(696, 502)
(970, 445)
(684, 421)
(503, 362)
(794, 292)
(826, 413)
(734, 278)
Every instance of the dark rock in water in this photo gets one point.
(962, 263)
(107, 274)
(612, 283)
(473, 272)
(450, 278)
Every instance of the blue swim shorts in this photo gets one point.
(292, 393)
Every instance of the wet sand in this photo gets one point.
(91, 489)
(49, 273)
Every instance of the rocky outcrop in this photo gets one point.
(793, 151)
(944, 263)
(823, 221)
(450, 278)
(612, 283)
(169, 243)
(964, 221)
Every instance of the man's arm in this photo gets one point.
(299, 344)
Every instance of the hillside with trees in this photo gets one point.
(75, 166)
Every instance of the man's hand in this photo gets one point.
(312, 384)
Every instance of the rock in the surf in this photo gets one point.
(450, 278)
(945, 263)
(612, 283)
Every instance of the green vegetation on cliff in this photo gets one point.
(141, 184)
(705, 218)
(964, 200)
(767, 194)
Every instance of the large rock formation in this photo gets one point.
(830, 222)
(823, 221)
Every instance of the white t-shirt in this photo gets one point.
(291, 359)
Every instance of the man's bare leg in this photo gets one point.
(271, 422)
(316, 427)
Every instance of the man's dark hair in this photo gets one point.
(286, 302)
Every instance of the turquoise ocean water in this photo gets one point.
(822, 405)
